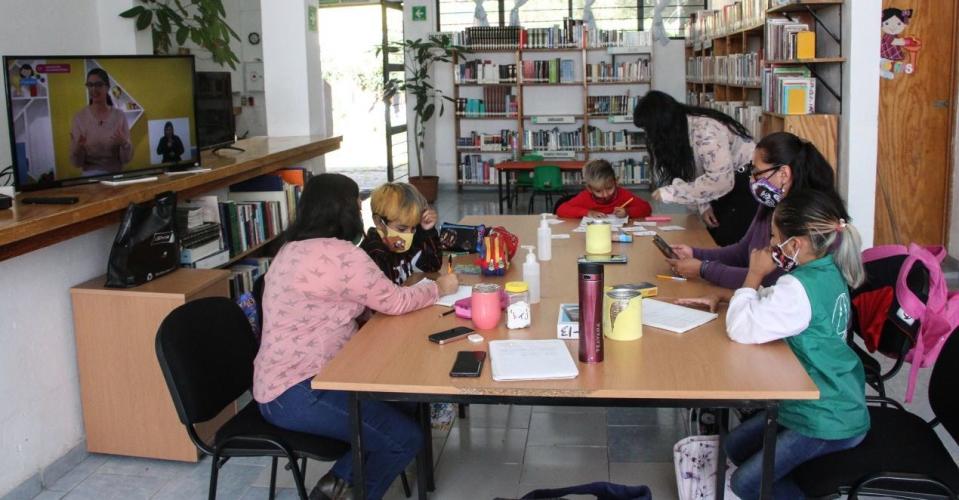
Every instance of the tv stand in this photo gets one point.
(231, 148)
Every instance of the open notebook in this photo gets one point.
(531, 360)
(678, 319)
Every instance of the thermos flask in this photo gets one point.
(590, 312)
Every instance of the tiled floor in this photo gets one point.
(501, 451)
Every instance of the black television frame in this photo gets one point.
(228, 144)
(146, 171)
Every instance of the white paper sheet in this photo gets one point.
(448, 300)
(531, 360)
(678, 319)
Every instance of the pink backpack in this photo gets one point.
(937, 317)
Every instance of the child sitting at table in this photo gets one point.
(808, 308)
(404, 232)
(603, 196)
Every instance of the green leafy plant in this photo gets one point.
(201, 21)
(419, 57)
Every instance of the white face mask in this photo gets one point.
(785, 262)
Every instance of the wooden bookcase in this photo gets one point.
(523, 120)
(822, 129)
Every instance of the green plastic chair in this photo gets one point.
(547, 179)
(523, 180)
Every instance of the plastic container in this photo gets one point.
(531, 274)
(599, 238)
(518, 310)
(544, 239)
(484, 306)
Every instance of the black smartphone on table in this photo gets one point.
(450, 335)
(603, 259)
(664, 247)
(468, 364)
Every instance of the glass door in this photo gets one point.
(397, 141)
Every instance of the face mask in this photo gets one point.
(783, 261)
(396, 241)
(766, 193)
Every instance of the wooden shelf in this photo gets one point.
(545, 84)
(630, 82)
(818, 60)
(246, 253)
(487, 151)
(26, 228)
(800, 6)
(628, 150)
(474, 84)
(780, 115)
(733, 85)
(475, 117)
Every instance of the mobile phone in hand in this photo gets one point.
(468, 364)
(664, 247)
(450, 335)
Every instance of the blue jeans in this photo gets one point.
(744, 447)
(391, 436)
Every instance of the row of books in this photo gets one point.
(786, 39)
(553, 140)
(572, 33)
(748, 113)
(499, 99)
(789, 90)
(549, 71)
(634, 71)
(244, 274)
(733, 69)
(476, 170)
(611, 104)
(632, 171)
(505, 140)
(485, 72)
(705, 25)
(615, 139)
(506, 106)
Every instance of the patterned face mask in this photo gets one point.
(766, 192)
(783, 261)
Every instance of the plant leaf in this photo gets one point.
(133, 12)
(144, 19)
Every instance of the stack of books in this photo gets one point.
(615, 140)
(553, 140)
(788, 40)
(611, 105)
(789, 90)
(478, 108)
(244, 274)
(476, 170)
(548, 71)
(740, 69)
(635, 71)
(505, 140)
(499, 99)
(200, 243)
(259, 209)
(489, 37)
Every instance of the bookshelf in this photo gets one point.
(737, 57)
(587, 70)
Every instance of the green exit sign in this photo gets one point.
(419, 13)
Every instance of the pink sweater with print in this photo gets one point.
(314, 292)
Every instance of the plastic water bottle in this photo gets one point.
(544, 237)
(531, 274)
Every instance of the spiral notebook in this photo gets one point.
(531, 360)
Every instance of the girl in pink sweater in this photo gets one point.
(318, 285)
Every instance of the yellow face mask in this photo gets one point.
(395, 240)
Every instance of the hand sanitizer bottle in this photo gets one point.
(531, 274)
(544, 237)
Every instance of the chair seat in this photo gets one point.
(249, 422)
(897, 442)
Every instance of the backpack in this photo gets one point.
(906, 290)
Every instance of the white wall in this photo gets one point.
(40, 417)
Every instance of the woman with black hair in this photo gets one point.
(100, 136)
(695, 152)
(318, 285)
(782, 164)
(170, 147)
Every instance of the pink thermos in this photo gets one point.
(590, 312)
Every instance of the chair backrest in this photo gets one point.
(258, 286)
(562, 200)
(944, 384)
(547, 177)
(531, 157)
(206, 349)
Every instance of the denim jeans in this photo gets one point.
(391, 436)
(744, 447)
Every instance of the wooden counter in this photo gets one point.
(25, 228)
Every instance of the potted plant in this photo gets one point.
(420, 56)
(201, 21)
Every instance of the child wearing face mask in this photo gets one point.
(809, 308)
(404, 232)
(603, 196)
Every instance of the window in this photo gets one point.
(456, 15)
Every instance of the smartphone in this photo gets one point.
(603, 259)
(664, 247)
(468, 364)
(450, 335)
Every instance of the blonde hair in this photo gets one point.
(398, 202)
(599, 173)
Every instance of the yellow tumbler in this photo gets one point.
(599, 238)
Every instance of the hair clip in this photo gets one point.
(841, 225)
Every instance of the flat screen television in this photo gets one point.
(77, 119)
(215, 121)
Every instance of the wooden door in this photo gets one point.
(916, 122)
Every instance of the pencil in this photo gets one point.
(668, 277)
(449, 264)
(627, 203)
(447, 313)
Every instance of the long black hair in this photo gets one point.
(105, 78)
(810, 169)
(667, 134)
(329, 208)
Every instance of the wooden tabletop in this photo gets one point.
(25, 228)
(512, 165)
(392, 354)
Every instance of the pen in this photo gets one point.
(668, 277)
(449, 264)
(447, 313)
(627, 203)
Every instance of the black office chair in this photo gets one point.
(901, 456)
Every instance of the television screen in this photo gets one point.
(215, 122)
(81, 118)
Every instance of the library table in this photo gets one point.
(506, 168)
(390, 358)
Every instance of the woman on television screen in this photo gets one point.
(170, 147)
(100, 137)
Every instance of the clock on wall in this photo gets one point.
(253, 38)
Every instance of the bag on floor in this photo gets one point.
(601, 490)
(146, 245)
(695, 460)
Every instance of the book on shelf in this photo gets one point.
(571, 33)
(787, 40)
(616, 140)
(251, 218)
(632, 171)
(548, 71)
(212, 261)
(704, 25)
(732, 69)
(553, 139)
(747, 113)
(476, 170)
(505, 140)
(244, 274)
(484, 72)
(477, 108)
(637, 70)
(789, 90)
(188, 218)
(611, 104)
(189, 255)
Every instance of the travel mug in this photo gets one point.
(485, 306)
(590, 312)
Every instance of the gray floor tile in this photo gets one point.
(458, 481)
(660, 477)
(480, 444)
(26, 490)
(643, 416)
(63, 465)
(562, 465)
(82, 471)
(499, 416)
(49, 495)
(284, 478)
(233, 481)
(579, 429)
(103, 486)
(642, 443)
(133, 466)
